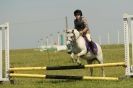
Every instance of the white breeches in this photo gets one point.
(88, 36)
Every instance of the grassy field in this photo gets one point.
(31, 57)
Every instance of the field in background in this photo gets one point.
(31, 57)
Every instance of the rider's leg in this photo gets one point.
(90, 42)
(88, 37)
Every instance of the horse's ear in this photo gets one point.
(72, 31)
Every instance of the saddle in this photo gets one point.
(91, 46)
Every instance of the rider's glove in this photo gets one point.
(81, 32)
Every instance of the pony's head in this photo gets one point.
(72, 36)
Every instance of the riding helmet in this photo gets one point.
(77, 12)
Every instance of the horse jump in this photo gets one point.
(63, 77)
(65, 68)
(127, 64)
(68, 67)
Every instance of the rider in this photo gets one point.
(81, 25)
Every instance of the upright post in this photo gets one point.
(126, 43)
(132, 37)
(7, 50)
(1, 54)
(4, 40)
(127, 20)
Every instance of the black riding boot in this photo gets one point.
(92, 47)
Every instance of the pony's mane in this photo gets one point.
(76, 32)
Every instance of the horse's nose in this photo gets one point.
(68, 42)
(69, 51)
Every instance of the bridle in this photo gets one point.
(72, 40)
(74, 35)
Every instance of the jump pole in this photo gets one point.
(62, 77)
(68, 67)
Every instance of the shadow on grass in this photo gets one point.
(55, 81)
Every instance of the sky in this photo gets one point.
(32, 20)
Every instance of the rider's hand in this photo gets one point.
(81, 32)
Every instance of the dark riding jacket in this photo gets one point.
(81, 24)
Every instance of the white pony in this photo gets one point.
(77, 47)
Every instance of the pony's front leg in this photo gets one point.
(83, 52)
(73, 58)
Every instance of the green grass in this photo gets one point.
(30, 57)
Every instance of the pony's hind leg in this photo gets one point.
(103, 73)
(102, 68)
(91, 69)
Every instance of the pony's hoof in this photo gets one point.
(73, 61)
(104, 75)
(69, 52)
(79, 63)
